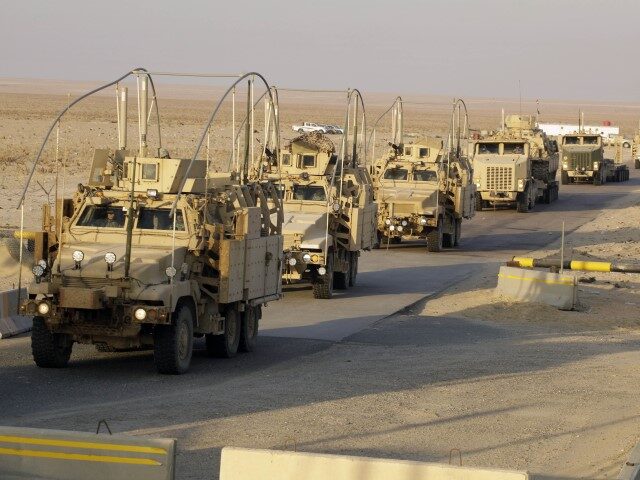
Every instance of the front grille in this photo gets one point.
(500, 178)
(85, 282)
(580, 160)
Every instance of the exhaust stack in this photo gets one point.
(144, 99)
(122, 118)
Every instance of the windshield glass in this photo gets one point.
(309, 192)
(396, 174)
(425, 176)
(102, 216)
(571, 140)
(159, 219)
(590, 140)
(490, 148)
(513, 148)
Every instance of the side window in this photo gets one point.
(308, 161)
(396, 174)
(150, 171)
(407, 150)
(286, 159)
(424, 152)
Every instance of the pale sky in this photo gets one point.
(558, 49)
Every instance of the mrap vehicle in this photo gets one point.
(152, 252)
(583, 161)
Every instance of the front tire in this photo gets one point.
(173, 344)
(456, 242)
(564, 178)
(49, 350)
(226, 345)
(323, 284)
(479, 203)
(434, 238)
(250, 320)
(354, 269)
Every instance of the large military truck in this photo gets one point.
(153, 251)
(635, 150)
(424, 188)
(329, 210)
(516, 165)
(583, 161)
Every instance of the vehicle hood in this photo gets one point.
(306, 230)
(417, 198)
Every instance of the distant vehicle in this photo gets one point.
(308, 127)
(616, 139)
(583, 161)
(334, 130)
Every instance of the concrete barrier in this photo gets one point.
(538, 286)
(249, 464)
(631, 468)
(10, 322)
(57, 454)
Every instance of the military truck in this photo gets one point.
(635, 149)
(516, 165)
(583, 161)
(424, 188)
(153, 251)
(329, 211)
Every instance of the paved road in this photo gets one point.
(125, 388)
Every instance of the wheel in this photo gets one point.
(597, 179)
(626, 145)
(479, 202)
(49, 350)
(522, 202)
(434, 238)
(323, 284)
(564, 178)
(354, 269)
(322, 131)
(226, 345)
(249, 336)
(636, 163)
(173, 344)
(300, 130)
(395, 240)
(341, 280)
(456, 243)
(448, 239)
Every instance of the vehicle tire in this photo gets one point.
(479, 202)
(597, 179)
(250, 321)
(636, 163)
(323, 284)
(226, 345)
(173, 344)
(564, 178)
(49, 350)
(395, 240)
(341, 280)
(300, 130)
(354, 269)
(448, 239)
(626, 145)
(434, 238)
(322, 131)
(456, 242)
(522, 202)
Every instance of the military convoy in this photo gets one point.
(153, 251)
(516, 165)
(583, 161)
(329, 209)
(424, 188)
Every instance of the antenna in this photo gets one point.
(520, 94)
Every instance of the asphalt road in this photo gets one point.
(125, 389)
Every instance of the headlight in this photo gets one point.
(387, 221)
(404, 223)
(43, 264)
(43, 308)
(423, 221)
(292, 262)
(566, 158)
(322, 271)
(140, 314)
(306, 257)
(478, 184)
(392, 227)
(565, 165)
(110, 258)
(77, 255)
(37, 270)
(399, 228)
(336, 207)
(520, 184)
(596, 165)
(170, 272)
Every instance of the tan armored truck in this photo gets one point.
(635, 150)
(583, 161)
(424, 188)
(329, 214)
(151, 252)
(516, 165)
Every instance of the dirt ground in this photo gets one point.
(516, 386)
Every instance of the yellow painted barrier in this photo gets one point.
(591, 266)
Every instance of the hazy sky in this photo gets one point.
(588, 49)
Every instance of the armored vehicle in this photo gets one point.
(635, 150)
(583, 161)
(153, 251)
(516, 165)
(329, 210)
(424, 188)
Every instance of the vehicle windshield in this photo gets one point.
(425, 176)
(159, 219)
(488, 148)
(513, 148)
(590, 140)
(571, 140)
(102, 216)
(309, 192)
(396, 174)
